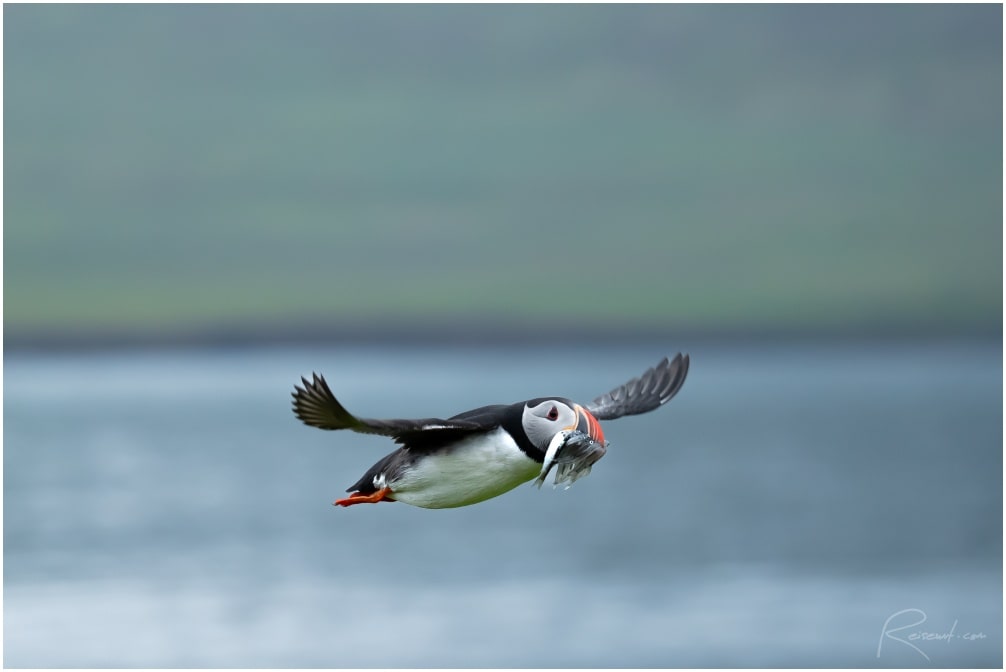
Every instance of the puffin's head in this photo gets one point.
(544, 418)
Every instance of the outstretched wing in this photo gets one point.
(316, 406)
(645, 393)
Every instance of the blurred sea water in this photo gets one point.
(791, 506)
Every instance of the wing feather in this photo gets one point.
(315, 405)
(643, 394)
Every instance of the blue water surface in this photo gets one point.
(791, 507)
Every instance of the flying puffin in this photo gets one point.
(482, 453)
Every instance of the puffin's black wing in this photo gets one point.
(641, 395)
(315, 405)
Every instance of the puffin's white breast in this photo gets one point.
(470, 471)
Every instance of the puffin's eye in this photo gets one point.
(553, 413)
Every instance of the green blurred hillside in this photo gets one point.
(714, 167)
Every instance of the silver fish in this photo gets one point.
(573, 453)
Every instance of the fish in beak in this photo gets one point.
(575, 450)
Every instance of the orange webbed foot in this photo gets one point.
(383, 495)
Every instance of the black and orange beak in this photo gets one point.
(588, 424)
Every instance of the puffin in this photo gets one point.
(482, 453)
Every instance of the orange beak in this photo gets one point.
(588, 424)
